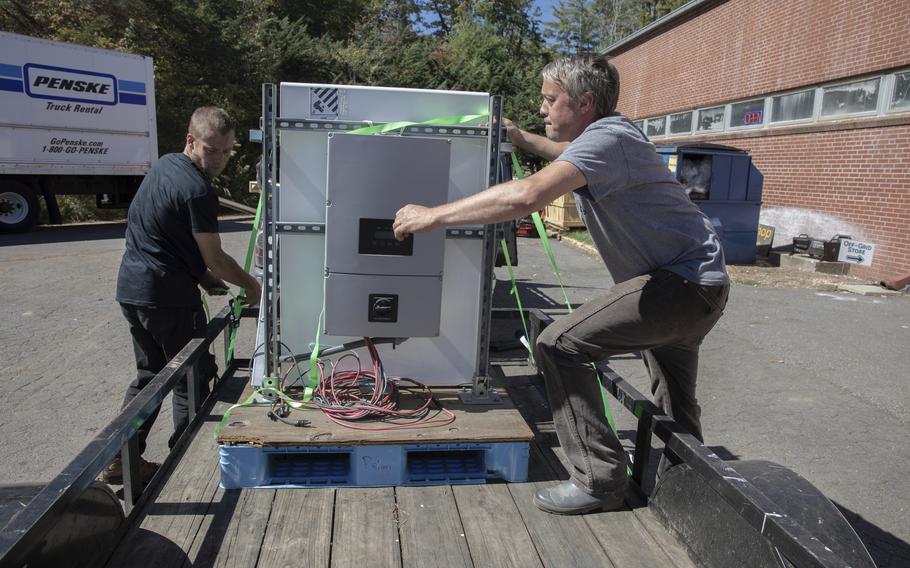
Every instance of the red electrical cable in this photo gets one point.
(341, 398)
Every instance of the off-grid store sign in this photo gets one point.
(856, 252)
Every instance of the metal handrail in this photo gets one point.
(23, 534)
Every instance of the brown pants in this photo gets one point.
(661, 315)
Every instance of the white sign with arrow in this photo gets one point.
(856, 252)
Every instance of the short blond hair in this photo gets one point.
(210, 119)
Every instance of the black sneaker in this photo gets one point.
(113, 474)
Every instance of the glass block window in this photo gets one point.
(900, 97)
(657, 126)
(749, 113)
(795, 106)
(681, 123)
(851, 98)
(711, 119)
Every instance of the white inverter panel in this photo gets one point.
(376, 285)
(446, 359)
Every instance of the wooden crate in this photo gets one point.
(562, 214)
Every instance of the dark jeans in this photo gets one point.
(659, 314)
(158, 335)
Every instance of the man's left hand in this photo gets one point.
(412, 219)
(210, 282)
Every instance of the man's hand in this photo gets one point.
(253, 293)
(212, 284)
(512, 130)
(412, 219)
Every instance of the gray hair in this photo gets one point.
(580, 74)
(210, 119)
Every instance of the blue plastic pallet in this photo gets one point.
(373, 465)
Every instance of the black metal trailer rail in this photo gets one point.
(25, 534)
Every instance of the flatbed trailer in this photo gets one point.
(184, 518)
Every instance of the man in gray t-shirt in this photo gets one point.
(662, 252)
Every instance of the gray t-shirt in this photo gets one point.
(638, 215)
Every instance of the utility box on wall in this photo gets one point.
(727, 187)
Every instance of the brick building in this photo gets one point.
(817, 91)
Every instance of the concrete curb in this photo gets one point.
(867, 290)
(580, 245)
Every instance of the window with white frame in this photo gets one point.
(838, 99)
(640, 124)
(747, 113)
(795, 106)
(850, 98)
(681, 123)
(711, 119)
(900, 95)
(657, 126)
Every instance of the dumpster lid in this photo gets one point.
(707, 146)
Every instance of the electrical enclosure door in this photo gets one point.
(376, 285)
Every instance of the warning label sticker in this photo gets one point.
(325, 102)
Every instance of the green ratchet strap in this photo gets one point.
(442, 121)
(238, 300)
(314, 355)
(542, 233)
(252, 401)
(514, 292)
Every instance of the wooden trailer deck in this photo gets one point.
(190, 521)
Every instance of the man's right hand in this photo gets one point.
(253, 293)
(512, 130)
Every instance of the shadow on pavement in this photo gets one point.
(887, 550)
(532, 294)
(47, 234)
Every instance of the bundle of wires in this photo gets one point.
(357, 394)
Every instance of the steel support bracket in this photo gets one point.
(481, 393)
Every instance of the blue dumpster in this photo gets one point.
(727, 187)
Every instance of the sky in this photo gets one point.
(546, 7)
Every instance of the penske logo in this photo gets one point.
(74, 85)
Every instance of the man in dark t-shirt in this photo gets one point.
(173, 247)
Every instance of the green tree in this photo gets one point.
(577, 28)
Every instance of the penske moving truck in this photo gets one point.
(73, 120)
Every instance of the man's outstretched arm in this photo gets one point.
(534, 143)
(502, 202)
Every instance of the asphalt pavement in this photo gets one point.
(816, 381)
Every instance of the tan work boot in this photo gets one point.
(113, 474)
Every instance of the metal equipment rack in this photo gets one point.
(272, 127)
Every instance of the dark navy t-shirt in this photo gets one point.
(162, 263)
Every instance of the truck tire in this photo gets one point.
(18, 207)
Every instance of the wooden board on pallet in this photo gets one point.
(252, 427)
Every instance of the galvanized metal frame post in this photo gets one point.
(132, 478)
(268, 183)
(192, 391)
(481, 390)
